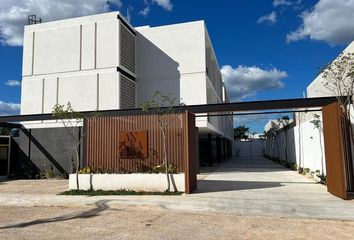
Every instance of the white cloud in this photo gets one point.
(166, 4)
(244, 81)
(13, 83)
(9, 108)
(329, 21)
(247, 119)
(13, 14)
(270, 18)
(145, 11)
(277, 3)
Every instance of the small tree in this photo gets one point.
(317, 123)
(338, 78)
(284, 121)
(71, 120)
(272, 135)
(162, 105)
(240, 132)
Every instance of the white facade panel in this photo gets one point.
(108, 91)
(107, 44)
(193, 89)
(88, 46)
(79, 90)
(57, 50)
(32, 91)
(49, 94)
(27, 54)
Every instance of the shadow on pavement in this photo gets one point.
(100, 207)
(205, 186)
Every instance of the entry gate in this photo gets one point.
(339, 163)
(337, 143)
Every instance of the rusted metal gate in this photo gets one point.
(338, 151)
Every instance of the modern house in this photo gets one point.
(101, 62)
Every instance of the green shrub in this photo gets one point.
(161, 169)
(50, 174)
(294, 166)
(86, 170)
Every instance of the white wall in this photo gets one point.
(308, 148)
(304, 147)
(254, 148)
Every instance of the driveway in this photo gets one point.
(247, 186)
(259, 186)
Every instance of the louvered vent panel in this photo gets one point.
(127, 49)
(127, 93)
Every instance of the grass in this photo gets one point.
(92, 193)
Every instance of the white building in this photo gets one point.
(101, 62)
(275, 124)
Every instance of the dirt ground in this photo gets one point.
(156, 223)
(42, 186)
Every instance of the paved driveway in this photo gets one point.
(248, 186)
(260, 186)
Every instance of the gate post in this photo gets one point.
(189, 155)
(335, 151)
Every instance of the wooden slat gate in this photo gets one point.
(338, 151)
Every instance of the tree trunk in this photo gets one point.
(277, 144)
(165, 158)
(320, 134)
(77, 168)
(300, 147)
(286, 146)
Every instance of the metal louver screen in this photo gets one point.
(127, 49)
(127, 93)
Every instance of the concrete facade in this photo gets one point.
(77, 61)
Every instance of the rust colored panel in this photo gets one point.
(190, 153)
(133, 145)
(103, 138)
(334, 150)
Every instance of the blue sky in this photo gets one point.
(268, 49)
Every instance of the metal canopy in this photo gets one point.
(299, 103)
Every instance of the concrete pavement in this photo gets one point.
(249, 186)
